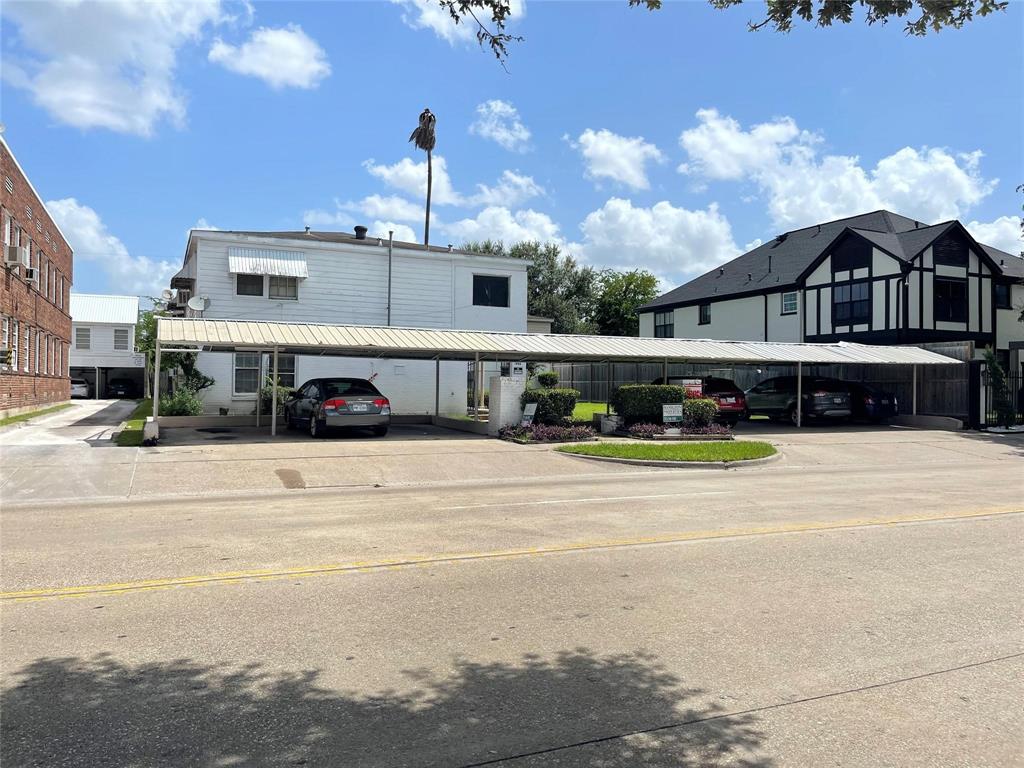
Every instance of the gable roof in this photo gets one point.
(780, 263)
(96, 308)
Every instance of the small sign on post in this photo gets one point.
(694, 387)
(529, 412)
(672, 413)
(517, 370)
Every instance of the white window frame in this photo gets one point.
(47, 349)
(127, 342)
(294, 283)
(268, 363)
(235, 368)
(15, 331)
(28, 348)
(88, 338)
(796, 302)
(38, 339)
(60, 296)
(60, 359)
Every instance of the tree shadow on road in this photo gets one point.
(574, 709)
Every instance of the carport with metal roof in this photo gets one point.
(208, 335)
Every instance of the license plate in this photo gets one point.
(728, 399)
(359, 407)
(885, 402)
(837, 400)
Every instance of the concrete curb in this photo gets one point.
(682, 464)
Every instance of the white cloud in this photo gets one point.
(499, 121)
(402, 232)
(430, 14)
(390, 207)
(91, 242)
(620, 158)
(499, 223)
(1002, 233)
(283, 57)
(105, 65)
(384, 212)
(804, 186)
(409, 176)
(674, 243)
(512, 189)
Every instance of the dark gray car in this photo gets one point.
(821, 398)
(321, 404)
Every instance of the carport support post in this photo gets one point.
(664, 372)
(913, 397)
(156, 382)
(273, 399)
(96, 394)
(799, 393)
(477, 396)
(608, 397)
(437, 388)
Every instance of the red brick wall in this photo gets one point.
(42, 308)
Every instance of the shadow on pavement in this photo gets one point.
(170, 436)
(110, 416)
(575, 709)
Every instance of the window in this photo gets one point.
(664, 324)
(789, 303)
(490, 291)
(851, 303)
(284, 287)
(122, 339)
(39, 338)
(950, 300)
(705, 314)
(60, 295)
(1003, 296)
(248, 285)
(15, 330)
(47, 356)
(60, 360)
(247, 372)
(83, 338)
(28, 346)
(285, 369)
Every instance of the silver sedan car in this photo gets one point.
(322, 404)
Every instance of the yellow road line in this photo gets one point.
(230, 577)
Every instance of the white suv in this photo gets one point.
(79, 388)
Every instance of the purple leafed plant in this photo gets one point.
(546, 433)
(709, 429)
(646, 430)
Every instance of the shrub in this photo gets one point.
(699, 412)
(554, 406)
(710, 429)
(641, 403)
(547, 379)
(545, 433)
(1001, 401)
(646, 430)
(184, 402)
(267, 396)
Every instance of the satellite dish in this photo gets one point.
(167, 294)
(199, 303)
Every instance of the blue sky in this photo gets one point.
(669, 140)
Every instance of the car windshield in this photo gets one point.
(351, 387)
(719, 385)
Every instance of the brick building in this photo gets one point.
(35, 292)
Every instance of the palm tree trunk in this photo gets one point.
(430, 183)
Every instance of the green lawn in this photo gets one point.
(585, 411)
(32, 414)
(707, 452)
(131, 436)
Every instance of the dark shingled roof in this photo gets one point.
(792, 253)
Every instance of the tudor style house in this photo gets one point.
(876, 278)
(344, 279)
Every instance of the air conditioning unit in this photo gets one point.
(32, 275)
(16, 256)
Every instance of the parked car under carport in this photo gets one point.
(821, 398)
(325, 404)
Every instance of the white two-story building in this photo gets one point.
(103, 342)
(876, 278)
(340, 278)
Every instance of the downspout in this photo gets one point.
(391, 243)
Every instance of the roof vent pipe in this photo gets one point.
(721, 271)
(449, 247)
(307, 229)
(750, 276)
(360, 232)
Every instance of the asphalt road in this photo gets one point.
(790, 616)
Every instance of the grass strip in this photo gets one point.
(33, 414)
(696, 452)
(131, 435)
(584, 411)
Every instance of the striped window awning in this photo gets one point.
(267, 261)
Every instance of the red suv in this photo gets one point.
(732, 403)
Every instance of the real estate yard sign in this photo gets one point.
(693, 387)
(529, 411)
(672, 413)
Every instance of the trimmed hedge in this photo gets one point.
(641, 403)
(699, 412)
(547, 379)
(554, 405)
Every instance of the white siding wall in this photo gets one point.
(348, 285)
(782, 327)
(734, 319)
(1008, 327)
(647, 324)
(883, 264)
(101, 350)
(822, 273)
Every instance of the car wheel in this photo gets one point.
(792, 416)
(316, 427)
(380, 431)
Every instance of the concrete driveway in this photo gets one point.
(86, 421)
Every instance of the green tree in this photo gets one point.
(620, 295)
(145, 341)
(490, 17)
(557, 286)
